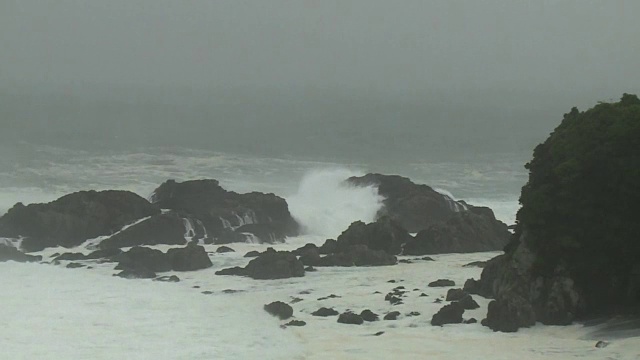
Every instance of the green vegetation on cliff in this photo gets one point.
(581, 205)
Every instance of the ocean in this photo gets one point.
(58, 313)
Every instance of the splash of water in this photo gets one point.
(325, 205)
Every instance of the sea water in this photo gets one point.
(50, 312)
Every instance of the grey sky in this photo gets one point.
(521, 62)
(378, 45)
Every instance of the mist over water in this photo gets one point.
(326, 205)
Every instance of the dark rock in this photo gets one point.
(468, 303)
(279, 309)
(413, 206)
(405, 261)
(224, 249)
(437, 301)
(471, 321)
(463, 232)
(332, 296)
(166, 229)
(392, 315)
(252, 253)
(74, 265)
(350, 318)
(448, 314)
(413, 313)
(207, 292)
(189, 258)
(310, 268)
(295, 300)
(391, 281)
(309, 255)
(442, 283)
(273, 264)
(136, 273)
(452, 226)
(456, 294)
(602, 344)
(479, 264)
(230, 291)
(296, 323)
(384, 234)
(74, 218)
(509, 313)
(172, 278)
(236, 270)
(329, 247)
(423, 295)
(139, 258)
(222, 212)
(368, 315)
(9, 253)
(427, 258)
(378, 333)
(472, 286)
(324, 312)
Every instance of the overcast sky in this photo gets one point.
(396, 46)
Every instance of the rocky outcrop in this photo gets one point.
(472, 230)
(449, 314)
(414, 206)
(269, 265)
(168, 229)
(189, 258)
(74, 218)
(384, 234)
(225, 215)
(575, 249)
(352, 255)
(509, 313)
(522, 296)
(443, 224)
(9, 253)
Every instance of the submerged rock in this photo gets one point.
(442, 283)
(9, 253)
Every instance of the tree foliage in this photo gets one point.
(581, 203)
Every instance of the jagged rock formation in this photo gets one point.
(575, 252)
(71, 219)
(224, 215)
(443, 224)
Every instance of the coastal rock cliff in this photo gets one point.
(575, 252)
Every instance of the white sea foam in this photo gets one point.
(58, 313)
(325, 204)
